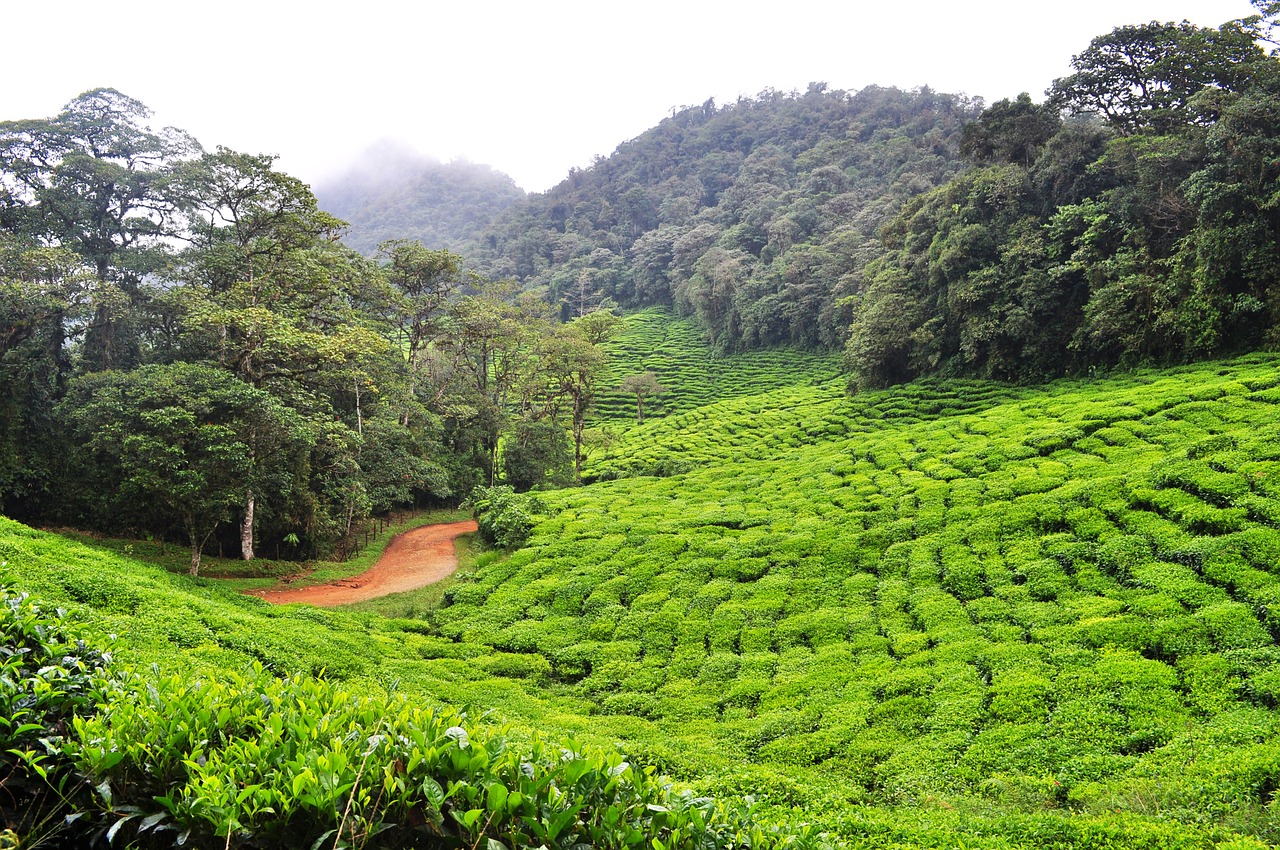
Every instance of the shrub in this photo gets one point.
(49, 676)
(504, 517)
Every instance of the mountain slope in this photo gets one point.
(391, 193)
(755, 216)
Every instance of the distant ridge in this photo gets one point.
(392, 192)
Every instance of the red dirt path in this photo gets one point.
(414, 559)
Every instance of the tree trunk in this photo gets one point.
(195, 558)
(359, 412)
(246, 529)
(579, 425)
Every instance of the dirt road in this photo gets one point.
(413, 559)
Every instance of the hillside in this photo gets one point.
(390, 193)
(754, 216)
(948, 612)
(1059, 600)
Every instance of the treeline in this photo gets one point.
(756, 216)
(1133, 216)
(186, 346)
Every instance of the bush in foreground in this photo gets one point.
(256, 760)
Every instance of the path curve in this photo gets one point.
(413, 559)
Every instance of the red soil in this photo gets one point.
(414, 559)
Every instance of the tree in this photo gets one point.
(572, 367)
(94, 179)
(177, 440)
(1009, 131)
(270, 295)
(537, 452)
(1144, 76)
(44, 291)
(494, 340)
(424, 282)
(642, 386)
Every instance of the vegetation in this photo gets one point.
(755, 216)
(1142, 227)
(756, 602)
(186, 336)
(393, 194)
(956, 611)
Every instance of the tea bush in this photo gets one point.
(50, 675)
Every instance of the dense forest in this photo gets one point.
(186, 339)
(391, 193)
(756, 216)
(1129, 217)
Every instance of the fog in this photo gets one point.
(531, 89)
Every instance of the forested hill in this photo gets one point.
(1130, 217)
(756, 216)
(395, 194)
(1133, 216)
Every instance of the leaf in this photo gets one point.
(104, 791)
(458, 734)
(151, 820)
(115, 828)
(497, 798)
(319, 842)
(433, 792)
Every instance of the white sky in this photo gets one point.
(531, 88)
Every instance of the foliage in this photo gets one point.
(178, 443)
(536, 454)
(1128, 233)
(505, 517)
(284, 763)
(954, 611)
(50, 676)
(754, 216)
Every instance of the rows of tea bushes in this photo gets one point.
(1062, 599)
(692, 373)
(938, 616)
(96, 751)
(767, 426)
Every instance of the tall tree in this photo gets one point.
(1144, 76)
(271, 294)
(424, 281)
(94, 179)
(572, 366)
(44, 292)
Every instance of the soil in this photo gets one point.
(413, 559)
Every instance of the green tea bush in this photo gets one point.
(253, 759)
(51, 673)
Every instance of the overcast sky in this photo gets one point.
(531, 88)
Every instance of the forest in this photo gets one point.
(188, 341)
(852, 469)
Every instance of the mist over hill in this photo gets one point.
(392, 192)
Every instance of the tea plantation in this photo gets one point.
(692, 373)
(951, 614)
